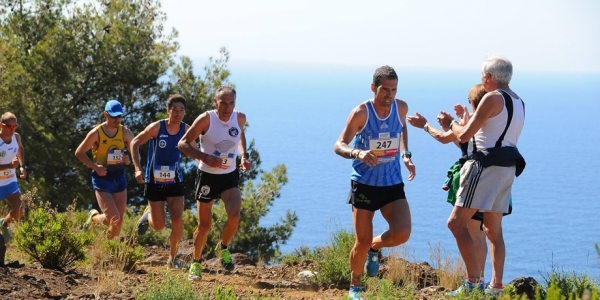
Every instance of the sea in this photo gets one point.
(296, 112)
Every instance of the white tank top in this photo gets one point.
(487, 136)
(7, 153)
(221, 139)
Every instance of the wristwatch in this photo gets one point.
(406, 154)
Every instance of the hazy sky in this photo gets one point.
(537, 35)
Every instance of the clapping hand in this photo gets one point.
(462, 112)
(417, 121)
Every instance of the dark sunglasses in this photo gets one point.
(11, 127)
(117, 117)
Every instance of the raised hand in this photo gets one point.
(417, 121)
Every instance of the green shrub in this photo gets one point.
(295, 257)
(332, 261)
(568, 285)
(170, 288)
(50, 238)
(122, 253)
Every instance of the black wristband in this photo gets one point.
(246, 155)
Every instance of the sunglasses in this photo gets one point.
(11, 127)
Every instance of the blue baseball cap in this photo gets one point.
(114, 108)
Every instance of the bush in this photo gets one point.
(295, 257)
(332, 261)
(568, 285)
(170, 288)
(122, 254)
(49, 237)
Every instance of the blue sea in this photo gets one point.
(296, 113)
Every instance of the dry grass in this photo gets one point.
(108, 272)
(451, 269)
(402, 270)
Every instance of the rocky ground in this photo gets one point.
(20, 280)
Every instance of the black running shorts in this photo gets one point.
(374, 198)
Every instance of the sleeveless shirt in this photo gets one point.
(110, 150)
(489, 133)
(382, 136)
(221, 140)
(163, 164)
(8, 152)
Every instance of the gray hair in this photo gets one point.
(499, 68)
(225, 89)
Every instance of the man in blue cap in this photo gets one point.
(108, 142)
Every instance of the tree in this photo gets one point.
(66, 59)
(61, 60)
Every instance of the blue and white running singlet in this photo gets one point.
(163, 166)
(382, 136)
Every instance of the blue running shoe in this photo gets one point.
(356, 292)
(465, 288)
(142, 223)
(372, 264)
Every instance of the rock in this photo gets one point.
(525, 286)
(14, 264)
(263, 285)
(240, 259)
(306, 275)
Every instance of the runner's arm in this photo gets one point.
(128, 137)
(410, 166)
(245, 163)
(87, 144)
(355, 122)
(21, 156)
(193, 144)
(199, 127)
(150, 132)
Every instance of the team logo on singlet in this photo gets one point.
(3, 153)
(384, 126)
(205, 189)
(162, 143)
(233, 132)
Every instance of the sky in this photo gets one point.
(557, 36)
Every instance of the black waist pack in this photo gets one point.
(502, 156)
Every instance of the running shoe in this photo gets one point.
(465, 288)
(142, 223)
(489, 290)
(372, 263)
(356, 292)
(89, 220)
(5, 231)
(195, 271)
(225, 256)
